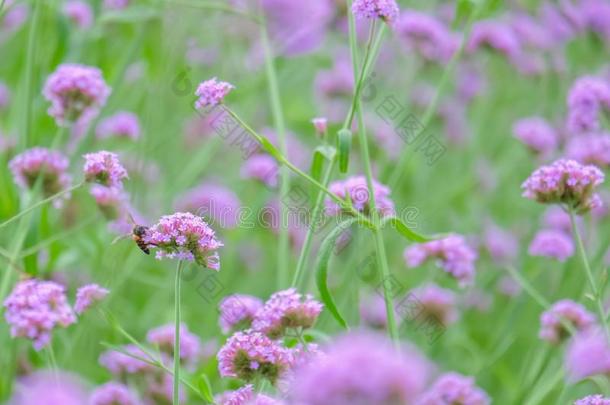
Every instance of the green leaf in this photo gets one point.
(320, 154)
(271, 149)
(344, 144)
(324, 255)
(404, 230)
(205, 388)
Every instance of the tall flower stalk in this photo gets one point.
(176, 386)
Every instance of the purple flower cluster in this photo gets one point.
(537, 134)
(454, 256)
(50, 166)
(261, 167)
(552, 243)
(454, 388)
(185, 236)
(214, 201)
(121, 364)
(588, 354)
(588, 96)
(575, 314)
(211, 93)
(495, 35)
(113, 393)
(111, 201)
(35, 307)
(286, 309)
(502, 245)
(163, 338)
(426, 34)
(87, 296)
(79, 12)
(590, 149)
(439, 303)
(76, 92)
(360, 368)
(237, 311)
(123, 124)
(565, 182)
(355, 189)
(387, 10)
(249, 354)
(245, 396)
(593, 400)
(104, 168)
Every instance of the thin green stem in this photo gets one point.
(528, 287)
(298, 275)
(39, 204)
(29, 72)
(597, 293)
(176, 391)
(280, 127)
(52, 361)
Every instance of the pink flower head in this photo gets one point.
(439, 303)
(185, 236)
(387, 10)
(587, 97)
(565, 182)
(121, 364)
(454, 388)
(50, 388)
(452, 254)
(121, 125)
(16, 14)
(34, 308)
(373, 313)
(5, 96)
(80, 13)
(88, 295)
(495, 35)
(245, 396)
(590, 149)
(426, 34)
(111, 201)
(501, 244)
(286, 309)
(237, 311)
(356, 190)
(116, 4)
(50, 166)
(113, 393)
(163, 337)
(75, 91)
(261, 167)
(211, 93)
(588, 354)
(551, 327)
(320, 124)
(104, 168)
(250, 354)
(552, 243)
(360, 368)
(593, 400)
(537, 134)
(214, 201)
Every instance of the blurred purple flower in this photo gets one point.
(88, 295)
(553, 244)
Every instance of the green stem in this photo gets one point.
(176, 391)
(280, 127)
(528, 287)
(298, 275)
(39, 204)
(597, 293)
(29, 72)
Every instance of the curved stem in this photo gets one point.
(176, 390)
(597, 293)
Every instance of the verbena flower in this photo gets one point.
(185, 236)
(320, 124)
(75, 92)
(360, 368)
(88, 295)
(439, 303)
(387, 10)
(121, 364)
(261, 167)
(163, 337)
(50, 166)
(237, 311)
(495, 35)
(286, 309)
(587, 97)
(48, 387)
(245, 396)
(214, 201)
(116, 4)
(111, 201)
(104, 168)
(355, 190)
(373, 312)
(250, 354)
(427, 35)
(454, 388)
(552, 243)
(537, 134)
(588, 354)
(211, 93)
(123, 124)
(565, 182)
(113, 393)
(502, 245)
(452, 254)
(573, 313)
(79, 12)
(593, 400)
(590, 149)
(34, 308)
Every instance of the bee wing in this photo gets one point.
(118, 238)
(130, 219)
